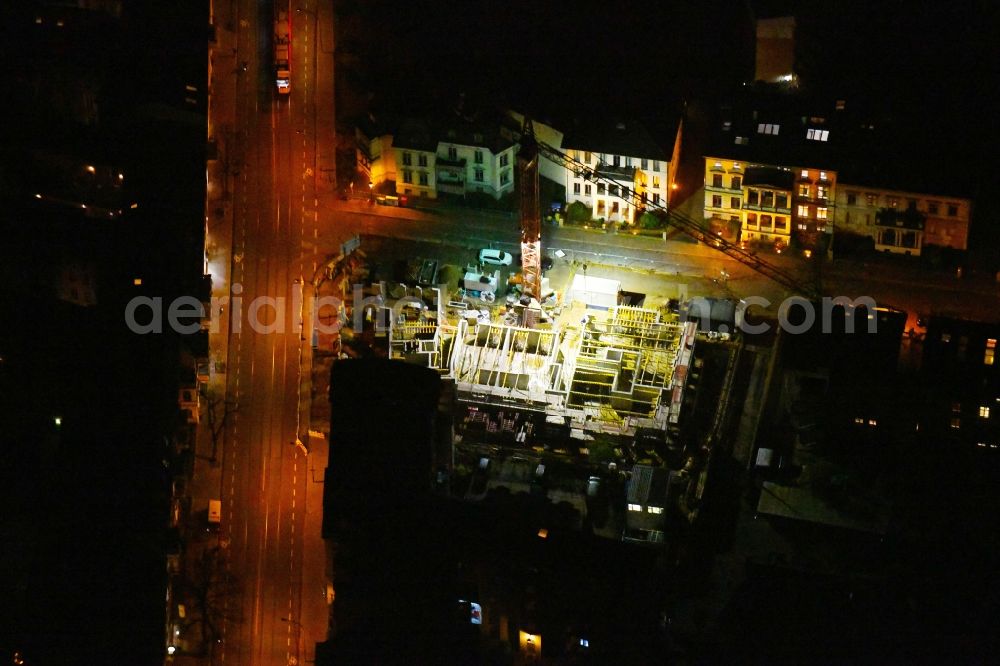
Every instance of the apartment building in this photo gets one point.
(639, 171)
(900, 221)
(423, 158)
(789, 145)
(473, 156)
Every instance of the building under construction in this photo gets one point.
(595, 391)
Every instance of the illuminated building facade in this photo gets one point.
(626, 155)
(903, 222)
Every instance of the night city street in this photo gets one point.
(363, 332)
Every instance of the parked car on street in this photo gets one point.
(495, 257)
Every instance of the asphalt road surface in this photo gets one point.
(276, 609)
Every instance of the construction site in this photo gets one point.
(594, 414)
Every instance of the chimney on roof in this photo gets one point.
(775, 53)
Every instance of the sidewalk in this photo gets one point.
(204, 549)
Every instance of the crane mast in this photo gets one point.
(531, 224)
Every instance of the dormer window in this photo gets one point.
(768, 128)
(805, 173)
(817, 135)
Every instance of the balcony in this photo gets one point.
(448, 162)
(616, 172)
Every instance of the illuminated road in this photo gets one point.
(275, 609)
(906, 286)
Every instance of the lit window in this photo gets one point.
(742, 140)
(956, 423)
(822, 174)
(803, 211)
(736, 166)
(858, 420)
(991, 343)
(584, 642)
(805, 173)
(984, 411)
(655, 509)
(821, 213)
(634, 507)
(872, 422)
(817, 135)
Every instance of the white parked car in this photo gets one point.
(495, 257)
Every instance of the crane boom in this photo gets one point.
(531, 223)
(692, 228)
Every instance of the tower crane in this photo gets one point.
(531, 223)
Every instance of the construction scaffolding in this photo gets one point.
(624, 364)
(508, 362)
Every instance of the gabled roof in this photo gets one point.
(769, 127)
(473, 131)
(629, 138)
(414, 134)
